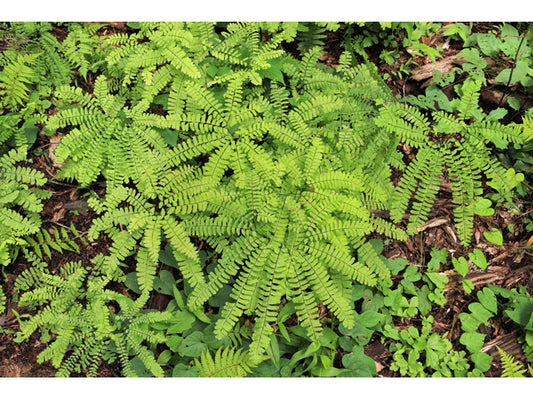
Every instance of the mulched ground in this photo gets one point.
(509, 265)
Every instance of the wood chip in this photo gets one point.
(445, 65)
(507, 343)
(54, 142)
(433, 223)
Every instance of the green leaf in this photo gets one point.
(494, 237)
(178, 297)
(274, 71)
(438, 257)
(495, 115)
(479, 312)
(132, 283)
(395, 265)
(519, 73)
(46, 250)
(273, 351)
(468, 286)
(395, 300)
(31, 133)
(513, 103)
(482, 361)
(221, 297)
(489, 44)
(181, 371)
(529, 338)
(328, 338)
(359, 363)
(369, 319)
(167, 257)
(346, 343)
(164, 357)
(180, 322)
(478, 258)
(488, 299)
(461, 265)
(437, 343)
(483, 207)
(473, 341)
(192, 345)
(522, 312)
(304, 353)
(359, 333)
(439, 280)
(412, 274)
(468, 322)
(165, 283)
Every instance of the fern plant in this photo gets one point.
(275, 177)
(79, 319)
(20, 204)
(227, 362)
(456, 145)
(214, 135)
(16, 76)
(29, 72)
(43, 242)
(512, 368)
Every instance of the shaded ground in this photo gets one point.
(509, 266)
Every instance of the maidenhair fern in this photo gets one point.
(456, 145)
(20, 203)
(278, 183)
(16, 76)
(213, 134)
(227, 362)
(82, 325)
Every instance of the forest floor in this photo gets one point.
(508, 266)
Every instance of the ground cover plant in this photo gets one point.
(219, 199)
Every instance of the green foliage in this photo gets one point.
(312, 34)
(516, 304)
(511, 368)
(457, 145)
(15, 78)
(20, 203)
(227, 362)
(286, 215)
(520, 310)
(79, 321)
(508, 42)
(43, 242)
(420, 354)
(211, 136)
(359, 37)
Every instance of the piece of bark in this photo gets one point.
(54, 142)
(445, 65)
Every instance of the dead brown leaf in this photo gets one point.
(54, 142)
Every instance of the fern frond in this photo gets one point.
(466, 186)
(146, 269)
(469, 98)
(228, 362)
(15, 79)
(511, 368)
(343, 262)
(406, 122)
(315, 272)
